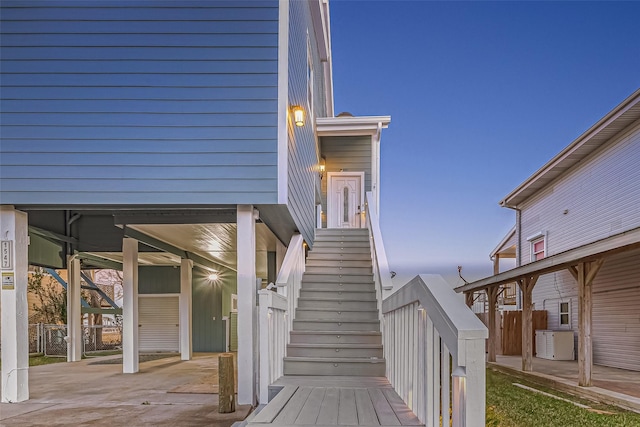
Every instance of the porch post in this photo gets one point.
(74, 314)
(492, 296)
(186, 275)
(468, 298)
(15, 324)
(246, 253)
(129, 305)
(526, 286)
(586, 272)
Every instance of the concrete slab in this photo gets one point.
(82, 393)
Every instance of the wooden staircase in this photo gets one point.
(336, 328)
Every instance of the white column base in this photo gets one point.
(74, 313)
(130, 351)
(246, 252)
(186, 340)
(13, 295)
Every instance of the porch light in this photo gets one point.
(298, 115)
(213, 277)
(321, 169)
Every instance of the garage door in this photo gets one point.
(159, 323)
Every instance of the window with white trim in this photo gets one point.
(538, 243)
(564, 317)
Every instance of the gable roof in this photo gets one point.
(505, 244)
(615, 121)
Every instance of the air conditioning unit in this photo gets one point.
(554, 345)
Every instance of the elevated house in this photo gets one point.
(193, 146)
(576, 242)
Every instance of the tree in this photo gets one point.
(52, 298)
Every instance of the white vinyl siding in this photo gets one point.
(159, 321)
(600, 197)
(616, 298)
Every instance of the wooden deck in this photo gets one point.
(335, 401)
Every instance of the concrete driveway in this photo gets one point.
(87, 393)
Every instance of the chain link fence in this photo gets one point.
(50, 339)
(101, 338)
(54, 343)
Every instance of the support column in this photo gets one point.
(468, 298)
(526, 286)
(186, 275)
(492, 321)
(74, 313)
(129, 305)
(586, 272)
(15, 324)
(246, 253)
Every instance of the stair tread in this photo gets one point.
(336, 359)
(341, 345)
(317, 299)
(337, 332)
(332, 310)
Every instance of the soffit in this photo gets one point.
(215, 242)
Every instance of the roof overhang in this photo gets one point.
(613, 123)
(612, 245)
(505, 252)
(355, 126)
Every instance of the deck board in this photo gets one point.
(347, 413)
(311, 409)
(335, 401)
(364, 406)
(291, 411)
(271, 411)
(402, 411)
(329, 409)
(385, 413)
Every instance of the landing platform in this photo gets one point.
(335, 401)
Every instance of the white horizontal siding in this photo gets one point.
(616, 298)
(601, 196)
(139, 102)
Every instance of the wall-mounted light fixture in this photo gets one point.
(213, 276)
(322, 167)
(298, 115)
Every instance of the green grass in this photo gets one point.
(40, 359)
(511, 406)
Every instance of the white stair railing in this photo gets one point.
(434, 347)
(273, 339)
(381, 272)
(276, 315)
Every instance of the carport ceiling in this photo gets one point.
(215, 242)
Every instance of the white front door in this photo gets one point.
(344, 199)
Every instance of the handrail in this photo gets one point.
(378, 252)
(427, 326)
(291, 260)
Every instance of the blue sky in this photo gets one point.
(481, 95)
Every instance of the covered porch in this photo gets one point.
(583, 263)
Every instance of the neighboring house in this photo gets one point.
(163, 139)
(577, 242)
